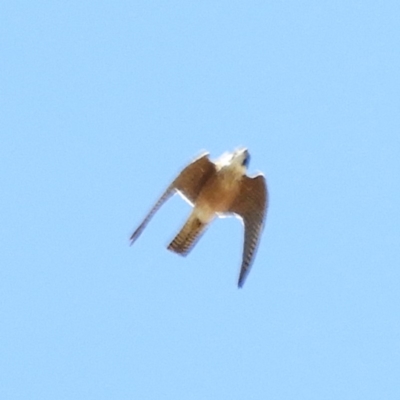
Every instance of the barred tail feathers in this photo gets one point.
(187, 236)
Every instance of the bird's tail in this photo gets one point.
(188, 235)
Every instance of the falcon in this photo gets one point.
(218, 189)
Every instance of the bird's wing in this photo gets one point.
(189, 182)
(251, 205)
(192, 179)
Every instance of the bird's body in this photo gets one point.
(218, 189)
(219, 192)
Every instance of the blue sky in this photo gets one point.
(103, 103)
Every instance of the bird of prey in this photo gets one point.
(218, 189)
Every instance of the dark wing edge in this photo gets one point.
(189, 182)
(251, 205)
(167, 194)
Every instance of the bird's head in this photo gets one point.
(241, 157)
(239, 160)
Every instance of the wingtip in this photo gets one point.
(133, 238)
(242, 278)
(136, 234)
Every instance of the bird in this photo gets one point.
(217, 189)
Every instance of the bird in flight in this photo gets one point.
(218, 189)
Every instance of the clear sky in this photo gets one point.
(101, 105)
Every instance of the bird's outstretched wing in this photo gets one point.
(189, 183)
(251, 205)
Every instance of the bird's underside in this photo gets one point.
(214, 189)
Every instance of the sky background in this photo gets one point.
(103, 103)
